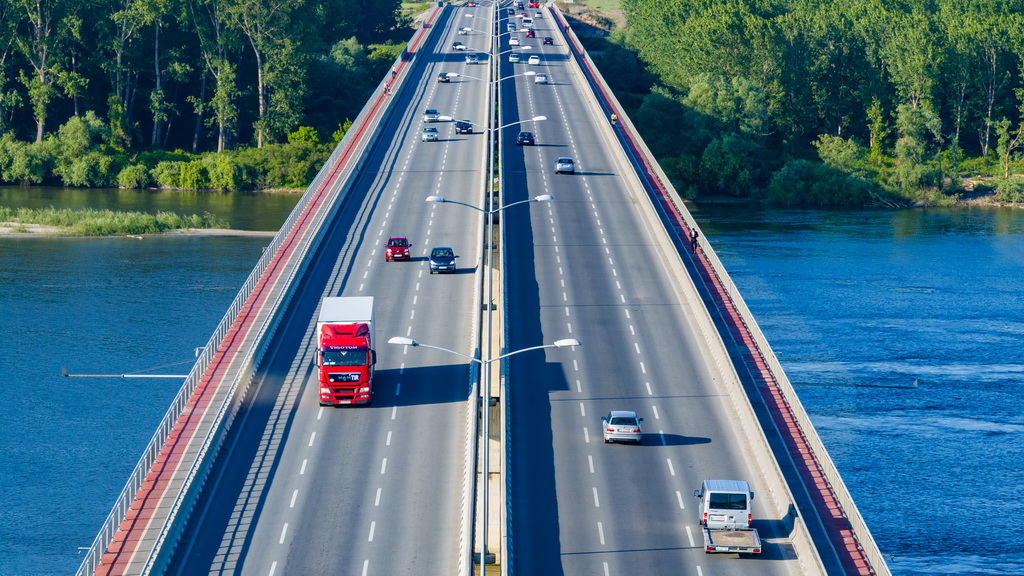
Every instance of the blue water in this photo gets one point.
(118, 305)
(860, 305)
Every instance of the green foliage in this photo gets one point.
(133, 176)
(108, 222)
(305, 134)
(806, 183)
(1011, 190)
(731, 165)
(910, 79)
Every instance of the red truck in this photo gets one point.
(534, 4)
(345, 354)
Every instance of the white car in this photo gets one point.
(622, 426)
(464, 31)
(471, 59)
(534, 60)
(513, 41)
(538, 14)
(540, 79)
(458, 45)
(565, 165)
(514, 57)
(431, 115)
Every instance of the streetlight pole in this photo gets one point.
(485, 386)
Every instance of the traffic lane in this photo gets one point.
(399, 511)
(590, 291)
(656, 319)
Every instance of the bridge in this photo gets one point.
(483, 441)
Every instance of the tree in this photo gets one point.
(265, 24)
(43, 19)
(209, 20)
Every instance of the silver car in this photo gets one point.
(431, 115)
(622, 426)
(565, 165)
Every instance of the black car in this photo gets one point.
(526, 138)
(442, 259)
(443, 77)
(549, 40)
(463, 127)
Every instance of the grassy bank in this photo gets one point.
(105, 222)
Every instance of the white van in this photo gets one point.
(725, 504)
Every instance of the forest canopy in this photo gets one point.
(900, 100)
(122, 80)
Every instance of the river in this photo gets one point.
(859, 306)
(901, 331)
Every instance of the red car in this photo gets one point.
(531, 33)
(397, 248)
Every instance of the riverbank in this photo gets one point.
(18, 230)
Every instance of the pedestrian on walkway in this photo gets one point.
(693, 240)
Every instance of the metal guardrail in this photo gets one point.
(859, 528)
(122, 505)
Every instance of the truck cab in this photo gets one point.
(345, 356)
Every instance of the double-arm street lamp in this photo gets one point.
(485, 394)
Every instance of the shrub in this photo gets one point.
(193, 175)
(806, 183)
(167, 174)
(133, 176)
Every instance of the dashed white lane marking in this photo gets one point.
(284, 530)
(597, 503)
(671, 469)
(699, 571)
(653, 409)
(583, 409)
(376, 501)
(394, 412)
(373, 526)
(312, 437)
(384, 466)
(586, 435)
(302, 469)
(689, 535)
(679, 498)
(388, 441)
(636, 347)
(590, 459)
(600, 532)
(366, 566)
(606, 572)
(664, 440)
(295, 495)
(398, 389)
(649, 392)
(320, 413)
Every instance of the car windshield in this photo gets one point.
(623, 421)
(394, 242)
(442, 253)
(725, 501)
(431, 111)
(344, 358)
(565, 160)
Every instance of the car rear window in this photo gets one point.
(724, 501)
